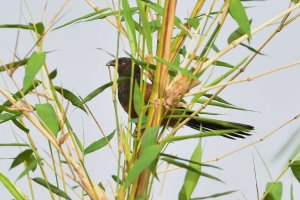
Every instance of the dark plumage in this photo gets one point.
(125, 69)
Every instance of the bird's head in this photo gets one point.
(125, 67)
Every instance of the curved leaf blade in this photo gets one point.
(12, 188)
(34, 64)
(47, 114)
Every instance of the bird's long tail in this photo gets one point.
(207, 124)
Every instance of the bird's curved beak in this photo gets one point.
(111, 63)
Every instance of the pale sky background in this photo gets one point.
(81, 69)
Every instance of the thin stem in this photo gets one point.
(255, 142)
(250, 78)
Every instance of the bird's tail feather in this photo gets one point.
(207, 124)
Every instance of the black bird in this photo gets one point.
(206, 124)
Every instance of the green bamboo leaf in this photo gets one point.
(34, 64)
(148, 156)
(173, 67)
(130, 25)
(38, 27)
(6, 117)
(14, 145)
(138, 99)
(191, 178)
(13, 65)
(200, 135)
(126, 146)
(146, 26)
(251, 49)
(187, 167)
(190, 161)
(20, 126)
(222, 105)
(12, 188)
(68, 95)
(149, 137)
(47, 114)
(224, 124)
(116, 179)
(237, 34)
(30, 167)
(114, 13)
(22, 157)
(225, 75)
(6, 109)
(25, 91)
(155, 25)
(214, 195)
(276, 191)
(53, 188)
(238, 13)
(160, 10)
(99, 144)
(295, 1)
(295, 167)
(100, 89)
(79, 19)
(193, 22)
(217, 98)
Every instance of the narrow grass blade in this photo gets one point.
(203, 134)
(130, 24)
(13, 65)
(146, 26)
(190, 161)
(99, 144)
(14, 145)
(68, 95)
(100, 89)
(79, 19)
(187, 167)
(38, 27)
(214, 195)
(53, 188)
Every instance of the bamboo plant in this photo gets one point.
(178, 57)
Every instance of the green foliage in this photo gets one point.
(238, 13)
(99, 143)
(191, 48)
(48, 116)
(138, 99)
(70, 97)
(51, 187)
(191, 178)
(34, 64)
(275, 191)
(295, 167)
(12, 188)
